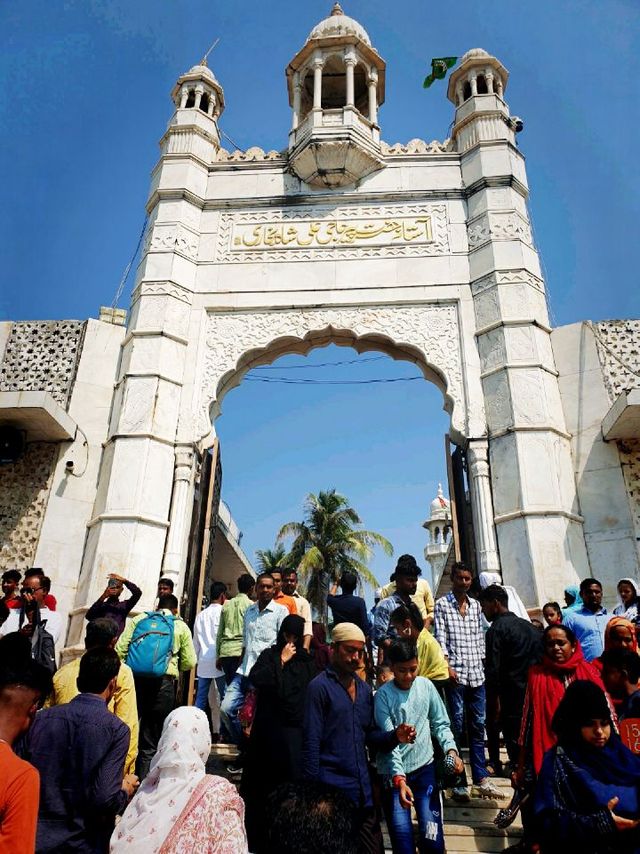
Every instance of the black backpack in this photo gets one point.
(43, 648)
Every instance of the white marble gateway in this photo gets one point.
(422, 250)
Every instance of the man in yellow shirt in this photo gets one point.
(423, 598)
(102, 633)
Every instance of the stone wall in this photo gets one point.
(38, 356)
(24, 493)
(42, 355)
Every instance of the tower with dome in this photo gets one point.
(439, 528)
(421, 249)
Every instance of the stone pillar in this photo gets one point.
(317, 83)
(180, 514)
(297, 99)
(373, 97)
(350, 64)
(212, 102)
(473, 80)
(482, 506)
(199, 93)
(184, 94)
(489, 78)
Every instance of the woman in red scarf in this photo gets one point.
(562, 663)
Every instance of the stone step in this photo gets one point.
(473, 814)
(484, 837)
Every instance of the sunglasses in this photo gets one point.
(31, 589)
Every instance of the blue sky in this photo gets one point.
(86, 98)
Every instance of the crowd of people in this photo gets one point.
(100, 755)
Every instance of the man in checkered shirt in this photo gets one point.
(460, 632)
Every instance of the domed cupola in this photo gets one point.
(199, 102)
(336, 85)
(476, 87)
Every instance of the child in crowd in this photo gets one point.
(383, 674)
(409, 770)
(552, 613)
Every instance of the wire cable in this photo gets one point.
(127, 269)
(301, 381)
(319, 365)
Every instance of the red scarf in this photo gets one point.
(546, 688)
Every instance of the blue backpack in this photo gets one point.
(151, 645)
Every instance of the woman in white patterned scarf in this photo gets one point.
(179, 807)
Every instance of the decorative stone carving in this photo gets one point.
(618, 344)
(492, 350)
(228, 250)
(506, 277)
(487, 308)
(253, 154)
(42, 356)
(528, 397)
(162, 289)
(171, 237)
(430, 331)
(24, 492)
(498, 225)
(416, 146)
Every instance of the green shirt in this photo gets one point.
(184, 655)
(229, 640)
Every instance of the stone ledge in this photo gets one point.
(38, 414)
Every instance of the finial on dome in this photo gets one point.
(337, 9)
(440, 492)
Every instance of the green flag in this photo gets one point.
(439, 68)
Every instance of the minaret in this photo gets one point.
(525, 459)
(193, 128)
(477, 88)
(336, 85)
(439, 527)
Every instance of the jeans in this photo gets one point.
(156, 698)
(470, 702)
(211, 692)
(428, 805)
(231, 705)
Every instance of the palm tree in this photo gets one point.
(269, 559)
(326, 543)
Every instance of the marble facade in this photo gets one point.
(423, 251)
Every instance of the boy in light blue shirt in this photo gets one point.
(409, 770)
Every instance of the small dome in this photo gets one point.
(339, 24)
(474, 53)
(202, 71)
(440, 504)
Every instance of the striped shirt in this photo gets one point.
(461, 637)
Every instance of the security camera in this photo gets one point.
(69, 466)
(516, 124)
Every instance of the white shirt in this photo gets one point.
(205, 633)
(260, 631)
(53, 626)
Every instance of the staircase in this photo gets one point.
(467, 827)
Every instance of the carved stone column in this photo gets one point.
(180, 513)
(350, 63)
(482, 506)
(297, 98)
(373, 97)
(317, 83)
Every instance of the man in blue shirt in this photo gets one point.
(262, 621)
(338, 727)
(406, 579)
(79, 748)
(589, 622)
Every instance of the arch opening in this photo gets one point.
(366, 343)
